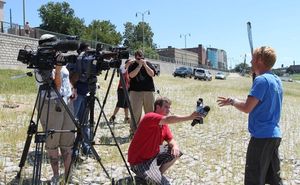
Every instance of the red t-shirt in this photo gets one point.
(147, 138)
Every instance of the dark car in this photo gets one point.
(183, 71)
(157, 69)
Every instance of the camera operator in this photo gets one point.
(79, 79)
(141, 88)
(56, 118)
(147, 156)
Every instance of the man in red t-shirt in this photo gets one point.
(147, 157)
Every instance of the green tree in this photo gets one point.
(103, 31)
(128, 35)
(59, 17)
(143, 32)
(133, 38)
(242, 67)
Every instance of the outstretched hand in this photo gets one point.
(222, 101)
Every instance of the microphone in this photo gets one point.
(66, 45)
(203, 111)
(206, 109)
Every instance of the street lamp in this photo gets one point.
(143, 14)
(24, 13)
(184, 35)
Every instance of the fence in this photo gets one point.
(15, 29)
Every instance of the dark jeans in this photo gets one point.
(79, 109)
(262, 162)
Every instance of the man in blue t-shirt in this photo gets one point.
(263, 104)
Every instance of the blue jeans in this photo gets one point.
(80, 105)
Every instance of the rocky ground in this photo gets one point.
(202, 162)
(214, 153)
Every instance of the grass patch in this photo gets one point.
(16, 86)
(295, 76)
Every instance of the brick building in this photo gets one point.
(197, 56)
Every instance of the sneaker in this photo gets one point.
(55, 180)
(112, 118)
(87, 151)
(126, 120)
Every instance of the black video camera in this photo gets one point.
(45, 58)
(100, 59)
(203, 110)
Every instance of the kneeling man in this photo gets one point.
(148, 158)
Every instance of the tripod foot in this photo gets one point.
(18, 175)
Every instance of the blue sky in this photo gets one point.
(212, 23)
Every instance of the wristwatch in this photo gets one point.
(231, 101)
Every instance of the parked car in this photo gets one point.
(220, 75)
(202, 74)
(183, 71)
(157, 69)
(286, 77)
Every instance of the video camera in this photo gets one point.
(203, 110)
(46, 57)
(104, 60)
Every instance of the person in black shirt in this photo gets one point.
(141, 88)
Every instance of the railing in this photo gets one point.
(15, 29)
(36, 33)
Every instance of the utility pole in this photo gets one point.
(143, 23)
(184, 35)
(24, 13)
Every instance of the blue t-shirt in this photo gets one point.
(264, 118)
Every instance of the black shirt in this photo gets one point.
(142, 81)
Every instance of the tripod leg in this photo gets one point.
(81, 135)
(104, 101)
(99, 160)
(119, 149)
(75, 155)
(30, 131)
(40, 140)
(128, 102)
(106, 120)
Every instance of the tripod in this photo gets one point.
(46, 90)
(123, 83)
(88, 117)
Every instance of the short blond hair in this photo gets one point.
(266, 54)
